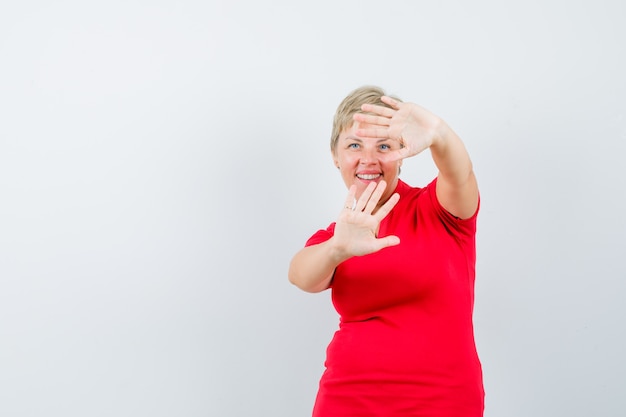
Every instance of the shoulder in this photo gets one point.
(321, 235)
(413, 197)
(425, 204)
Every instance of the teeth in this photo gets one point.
(368, 176)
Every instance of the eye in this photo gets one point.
(353, 146)
(384, 147)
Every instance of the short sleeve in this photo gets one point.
(455, 225)
(321, 235)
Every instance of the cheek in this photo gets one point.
(347, 161)
(394, 167)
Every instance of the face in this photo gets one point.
(365, 160)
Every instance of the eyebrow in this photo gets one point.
(361, 140)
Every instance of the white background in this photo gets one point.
(161, 161)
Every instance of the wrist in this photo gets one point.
(337, 252)
(442, 133)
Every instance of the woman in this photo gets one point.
(401, 264)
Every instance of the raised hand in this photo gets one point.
(414, 127)
(356, 229)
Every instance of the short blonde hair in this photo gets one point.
(350, 105)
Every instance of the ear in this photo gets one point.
(335, 160)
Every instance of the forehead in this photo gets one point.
(350, 131)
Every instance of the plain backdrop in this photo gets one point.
(161, 161)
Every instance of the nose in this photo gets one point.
(368, 156)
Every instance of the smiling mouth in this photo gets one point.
(368, 177)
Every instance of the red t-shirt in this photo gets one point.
(405, 344)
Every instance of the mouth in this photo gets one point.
(368, 177)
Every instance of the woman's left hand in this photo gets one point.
(414, 127)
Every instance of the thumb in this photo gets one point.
(399, 154)
(385, 242)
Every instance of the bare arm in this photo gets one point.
(418, 129)
(312, 268)
(457, 189)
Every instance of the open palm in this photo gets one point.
(414, 127)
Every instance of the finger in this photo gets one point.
(385, 242)
(371, 119)
(373, 132)
(379, 110)
(350, 200)
(384, 210)
(365, 196)
(391, 102)
(397, 155)
(375, 197)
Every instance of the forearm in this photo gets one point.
(457, 190)
(312, 268)
(450, 156)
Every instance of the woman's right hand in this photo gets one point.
(356, 233)
(356, 229)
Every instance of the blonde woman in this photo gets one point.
(400, 262)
